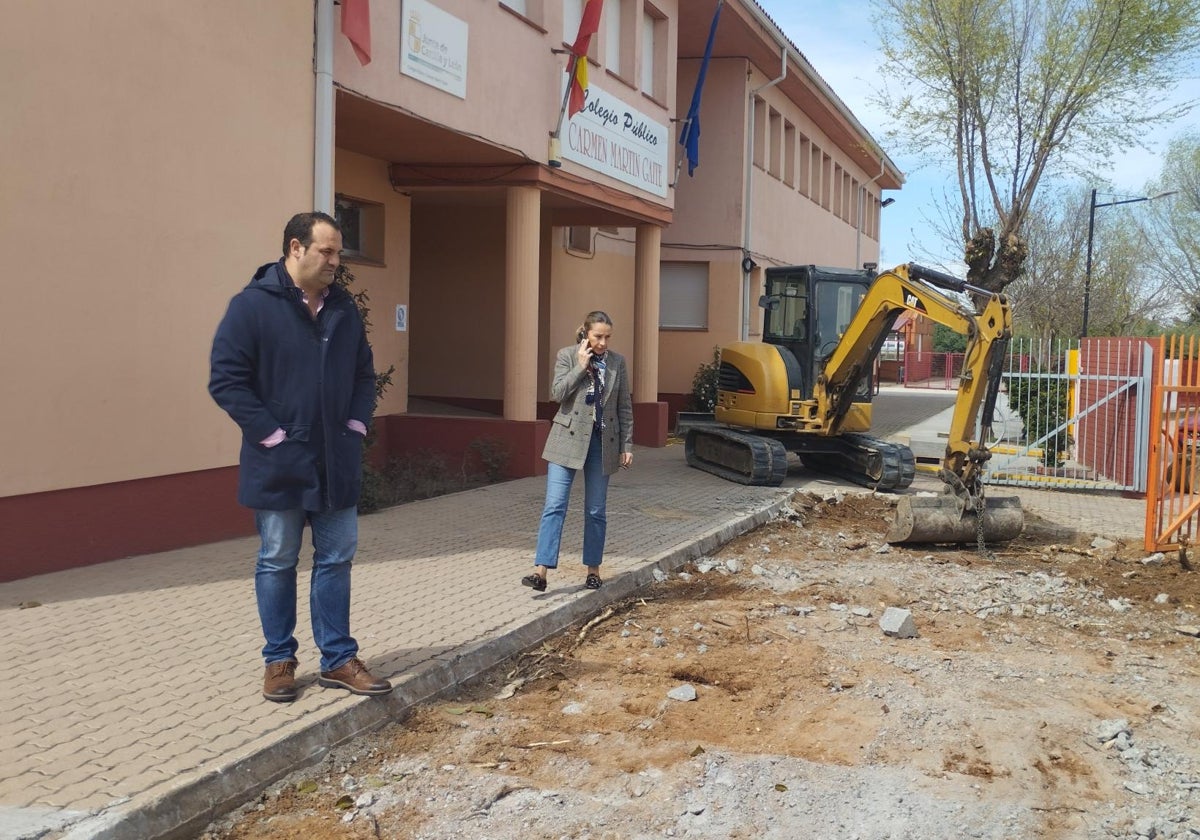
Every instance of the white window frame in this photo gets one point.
(612, 36)
(368, 224)
(647, 70)
(572, 17)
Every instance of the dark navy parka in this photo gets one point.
(275, 367)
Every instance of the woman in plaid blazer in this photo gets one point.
(592, 431)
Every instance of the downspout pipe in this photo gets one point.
(747, 208)
(323, 111)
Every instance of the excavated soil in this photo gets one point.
(1050, 692)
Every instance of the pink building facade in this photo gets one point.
(155, 153)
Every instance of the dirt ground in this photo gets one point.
(1050, 691)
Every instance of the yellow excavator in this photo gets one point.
(807, 387)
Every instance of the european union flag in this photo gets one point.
(689, 138)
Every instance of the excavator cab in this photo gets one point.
(807, 312)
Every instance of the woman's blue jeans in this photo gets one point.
(558, 492)
(334, 538)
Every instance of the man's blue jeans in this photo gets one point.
(334, 538)
(595, 498)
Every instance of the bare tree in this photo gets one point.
(1046, 297)
(1129, 295)
(1011, 91)
(1172, 226)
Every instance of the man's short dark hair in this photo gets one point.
(301, 227)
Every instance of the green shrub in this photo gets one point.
(1042, 404)
(704, 384)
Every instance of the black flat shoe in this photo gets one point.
(534, 582)
(592, 582)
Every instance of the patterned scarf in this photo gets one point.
(596, 371)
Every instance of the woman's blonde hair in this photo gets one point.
(593, 318)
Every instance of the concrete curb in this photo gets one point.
(191, 803)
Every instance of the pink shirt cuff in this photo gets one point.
(276, 437)
(279, 435)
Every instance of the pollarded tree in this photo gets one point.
(1010, 91)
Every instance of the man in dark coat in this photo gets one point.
(292, 367)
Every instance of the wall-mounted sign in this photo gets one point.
(401, 317)
(611, 137)
(433, 47)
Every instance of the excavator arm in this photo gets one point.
(914, 288)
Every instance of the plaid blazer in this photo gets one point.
(571, 429)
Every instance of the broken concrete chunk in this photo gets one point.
(1106, 730)
(683, 693)
(1188, 630)
(898, 623)
(1102, 544)
(1154, 559)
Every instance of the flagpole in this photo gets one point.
(687, 125)
(566, 96)
(555, 157)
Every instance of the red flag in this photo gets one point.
(356, 25)
(588, 26)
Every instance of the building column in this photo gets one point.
(649, 415)
(521, 252)
(525, 434)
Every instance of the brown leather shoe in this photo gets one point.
(355, 677)
(279, 682)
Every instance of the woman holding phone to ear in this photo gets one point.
(592, 431)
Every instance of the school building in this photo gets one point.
(154, 151)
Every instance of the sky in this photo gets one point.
(837, 38)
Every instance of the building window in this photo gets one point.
(826, 182)
(654, 54)
(612, 36)
(531, 10)
(815, 173)
(572, 15)
(683, 296)
(775, 142)
(789, 154)
(805, 165)
(760, 133)
(362, 228)
(836, 207)
(847, 195)
(619, 28)
(578, 240)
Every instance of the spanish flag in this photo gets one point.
(356, 25)
(588, 26)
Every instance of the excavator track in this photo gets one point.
(760, 460)
(869, 461)
(737, 456)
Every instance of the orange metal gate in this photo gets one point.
(1173, 483)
